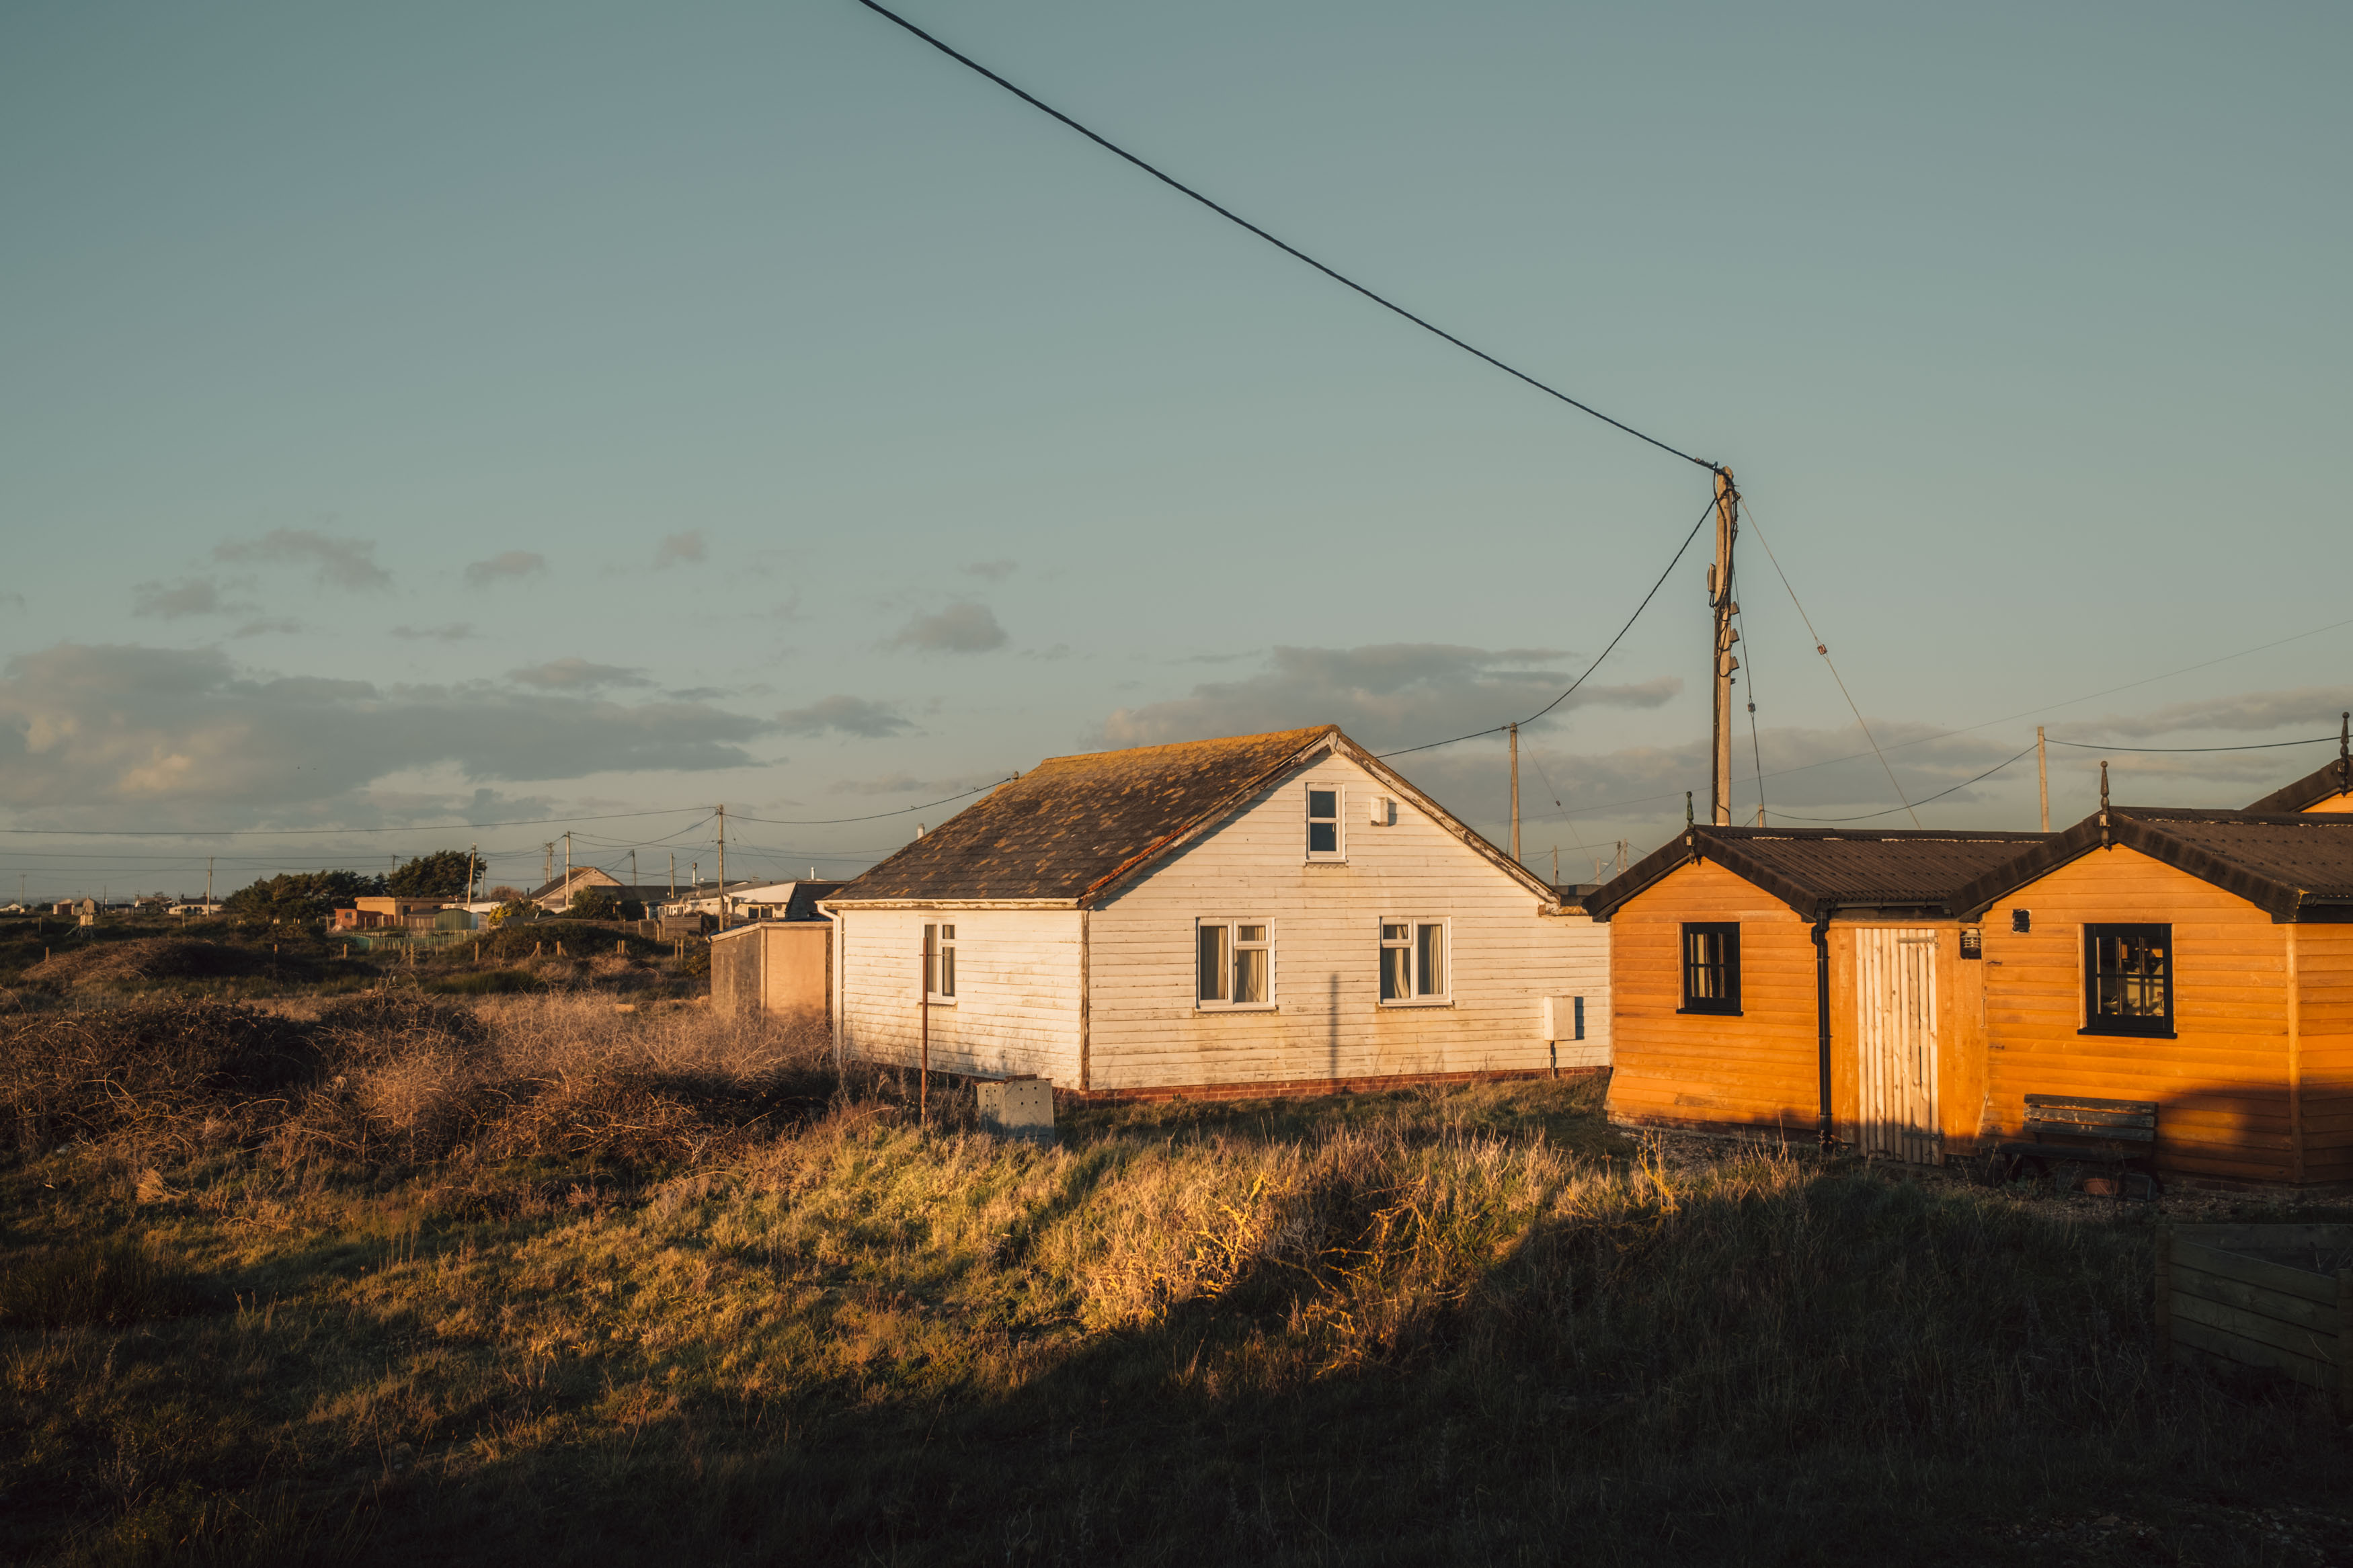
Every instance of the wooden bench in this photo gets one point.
(2116, 1132)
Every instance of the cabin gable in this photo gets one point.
(1394, 858)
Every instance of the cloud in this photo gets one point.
(576, 674)
(2311, 708)
(452, 631)
(843, 716)
(338, 563)
(12, 601)
(677, 547)
(266, 624)
(889, 783)
(188, 596)
(1383, 695)
(964, 627)
(506, 563)
(994, 570)
(184, 730)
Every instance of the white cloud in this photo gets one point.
(2310, 708)
(843, 715)
(165, 729)
(962, 627)
(452, 631)
(505, 564)
(1387, 694)
(677, 547)
(895, 784)
(994, 570)
(338, 562)
(267, 624)
(576, 674)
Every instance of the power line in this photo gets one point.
(1288, 249)
(1589, 668)
(1892, 810)
(2264, 746)
(877, 816)
(314, 832)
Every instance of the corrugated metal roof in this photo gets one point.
(1072, 823)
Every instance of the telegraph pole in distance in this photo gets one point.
(722, 868)
(1719, 596)
(1515, 793)
(2042, 776)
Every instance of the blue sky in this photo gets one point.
(467, 414)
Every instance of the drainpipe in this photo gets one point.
(1822, 1021)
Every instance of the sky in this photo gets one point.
(436, 425)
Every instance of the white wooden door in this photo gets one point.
(1895, 1008)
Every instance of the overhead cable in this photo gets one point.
(1289, 249)
(1892, 810)
(2263, 746)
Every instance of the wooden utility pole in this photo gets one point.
(1515, 793)
(1719, 597)
(568, 867)
(2042, 776)
(208, 884)
(471, 850)
(673, 875)
(722, 868)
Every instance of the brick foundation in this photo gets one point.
(1304, 1088)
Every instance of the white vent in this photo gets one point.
(1382, 811)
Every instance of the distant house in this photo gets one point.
(1785, 981)
(2201, 960)
(555, 898)
(1263, 914)
(389, 914)
(2326, 788)
(780, 963)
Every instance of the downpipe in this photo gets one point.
(1822, 1026)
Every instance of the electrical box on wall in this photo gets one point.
(1382, 811)
(1018, 1108)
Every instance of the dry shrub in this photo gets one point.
(115, 1279)
(167, 1075)
(154, 958)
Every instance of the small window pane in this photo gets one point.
(1213, 963)
(1429, 961)
(1392, 933)
(947, 972)
(1397, 977)
(1249, 933)
(1323, 802)
(1324, 839)
(1249, 973)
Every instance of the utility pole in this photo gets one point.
(673, 875)
(568, 867)
(208, 884)
(1515, 793)
(633, 870)
(547, 863)
(722, 868)
(471, 849)
(2042, 776)
(1719, 596)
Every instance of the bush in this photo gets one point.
(184, 1074)
(484, 982)
(595, 904)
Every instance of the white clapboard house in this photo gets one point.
(1265, 914)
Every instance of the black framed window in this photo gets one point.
(2129, 979)
(1711, 967)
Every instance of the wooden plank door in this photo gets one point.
(1896, 1010)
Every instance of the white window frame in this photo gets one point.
(1233, 945)
(1412, 946)
(1339, 819)
(939, 961)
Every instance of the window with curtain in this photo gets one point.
(1233, 963)
(939, 962)
(1414, 962)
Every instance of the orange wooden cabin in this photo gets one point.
(2203, 960)
(1801, 984)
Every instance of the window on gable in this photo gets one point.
(939, 962)
(1712, 967)
(1414, 962)
(1233, 963)
(2129, 979)
(1323, 824)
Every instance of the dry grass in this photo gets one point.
(412, 1280)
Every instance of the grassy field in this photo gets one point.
(395, 1277)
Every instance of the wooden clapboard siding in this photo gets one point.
(2221, 1085)
(2325, 1019)
(1962, 1094)
(1144, 1031)
(1017, 1007)
(1756, 1070)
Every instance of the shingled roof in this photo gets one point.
(1072, 829)
(2333, 778)
(1816, 870)
(2293, 866)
